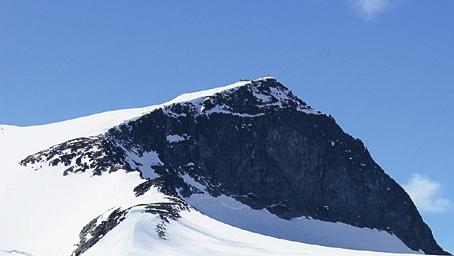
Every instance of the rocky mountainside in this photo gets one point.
(257, 143)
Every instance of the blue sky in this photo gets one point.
(384, 69)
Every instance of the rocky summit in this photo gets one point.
(258, 143)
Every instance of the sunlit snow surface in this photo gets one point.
(42, 212)
(230, 211)
(197, 234)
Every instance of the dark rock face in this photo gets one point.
(78, 155)
(268, 149)
(263, 146)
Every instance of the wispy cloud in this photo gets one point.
(426, 194)
(369, 9)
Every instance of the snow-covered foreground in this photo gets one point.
(43, 212)
(197, 234)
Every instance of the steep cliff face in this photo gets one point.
(258, 143)
(263, 146)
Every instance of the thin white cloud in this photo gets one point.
(425, 193)
(369, 9)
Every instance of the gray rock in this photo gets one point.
(271, 151)
(261, 145)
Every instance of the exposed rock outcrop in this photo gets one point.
(263, 146)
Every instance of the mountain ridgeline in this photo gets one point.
(263, 146)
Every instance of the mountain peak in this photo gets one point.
(251, 146)
(246, 98)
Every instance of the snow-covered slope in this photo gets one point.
(230, 211)
(197, 234)
(47, 213)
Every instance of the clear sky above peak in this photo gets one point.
(382, 68)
